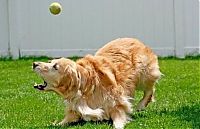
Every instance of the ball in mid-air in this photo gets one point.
(55, 8)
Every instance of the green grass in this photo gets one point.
(177, 95)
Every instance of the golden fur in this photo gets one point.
(101, 86)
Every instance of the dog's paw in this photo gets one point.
(99, 114)
(93, 114)
(60, 124)
(118, 126)
(56, 123)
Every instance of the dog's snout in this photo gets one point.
(35, 64)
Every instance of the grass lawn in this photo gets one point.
(177, 95)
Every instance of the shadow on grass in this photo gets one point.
(187, 113)
(75, 124)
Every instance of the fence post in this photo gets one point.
(14, 28)
(179, 28)
(199, 28)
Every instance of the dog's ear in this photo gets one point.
(72, 75)
(108, 76)
(69, 70)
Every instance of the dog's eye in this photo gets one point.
(55, 66)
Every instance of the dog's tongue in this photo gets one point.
(40, 86)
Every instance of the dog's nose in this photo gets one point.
(35, 64)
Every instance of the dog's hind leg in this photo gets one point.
(148, 96)
(152, 75)
(119, 117)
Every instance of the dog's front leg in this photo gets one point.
(118, 117)
(71, 116)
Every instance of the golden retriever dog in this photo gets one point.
(100, 87)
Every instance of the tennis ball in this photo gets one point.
(55, 8)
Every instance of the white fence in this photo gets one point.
(170, 27)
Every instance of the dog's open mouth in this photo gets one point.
(40, 86)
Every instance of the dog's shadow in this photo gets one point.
(187, 113)
(79, 124)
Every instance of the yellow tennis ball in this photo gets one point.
(55, 8)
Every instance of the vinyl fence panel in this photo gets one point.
(169, 27)
(4, 30)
